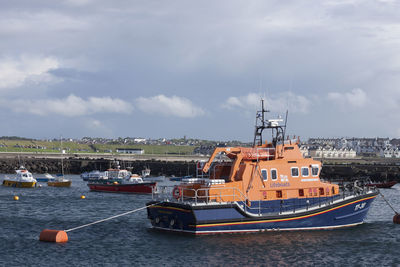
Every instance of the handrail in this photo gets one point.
(202, 195)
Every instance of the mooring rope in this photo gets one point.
(109, 218)
(387, 202)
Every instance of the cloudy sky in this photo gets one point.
(198, 68)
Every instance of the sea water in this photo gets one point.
(130, 241)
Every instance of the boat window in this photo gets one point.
(264, 174)
(274, 174)
(304, 172)
(314, 170)
(321, 191)
(301, 192)
(295, 172)
(24, 175)
(279, 194)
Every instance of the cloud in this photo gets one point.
(277, 103)
(72, 106)
(79, 2)
(169, 106)
(250, 101)
(355, 98)
(95, 123)
(17, 72)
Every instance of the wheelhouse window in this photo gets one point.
(321, 191)
(264, 174)
(304, 172)
(274, 174)
(295, 172)
(301, 192)
(314, 170)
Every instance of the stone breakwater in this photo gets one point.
(78, 166)
(332, 170)
(375, 171)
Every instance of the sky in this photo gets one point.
(156, 69)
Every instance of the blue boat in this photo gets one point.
(45, 178)
(269, 186)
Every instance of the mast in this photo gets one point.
(278, 131)
(260, 125)
(62, 158)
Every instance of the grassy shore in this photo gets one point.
(34, 146)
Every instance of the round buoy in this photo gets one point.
(115, 182)
(16, 197)
(396, 218)
(57, 236)
(83, 197)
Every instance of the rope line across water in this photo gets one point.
(387, 202)
(109, 218)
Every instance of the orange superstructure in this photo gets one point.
(263, 172)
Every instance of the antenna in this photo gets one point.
(260, 124)
(284, 130)
(277, 130)
(62, 157)
(284, 127)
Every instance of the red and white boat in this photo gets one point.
(122, 181)
(387, 184)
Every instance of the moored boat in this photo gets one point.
(23, 178)
(60, 182)
(269, 186)
(94, 175)
(122, 181)
(45, 178)
(387, 184)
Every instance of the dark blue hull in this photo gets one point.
(230, 218)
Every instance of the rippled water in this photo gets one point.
(128, 240)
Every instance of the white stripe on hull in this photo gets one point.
(257, 230)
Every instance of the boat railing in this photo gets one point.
(313, 198)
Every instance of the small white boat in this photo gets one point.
(23, 178)
(46, 178)
(94, 175)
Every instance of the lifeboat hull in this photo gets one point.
(230, 218)
(139, 188)
(10, 183)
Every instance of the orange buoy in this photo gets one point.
(83, 197)
(16, 197)
(57, 236)
(396, 218)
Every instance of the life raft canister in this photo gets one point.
(177, 192)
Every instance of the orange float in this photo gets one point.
(396, 218)
(57, 236)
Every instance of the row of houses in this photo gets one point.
(321, 152)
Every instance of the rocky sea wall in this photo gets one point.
(78, 166)
(330, 171)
